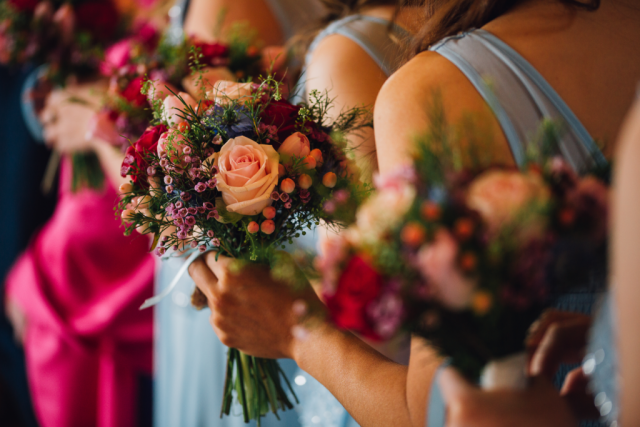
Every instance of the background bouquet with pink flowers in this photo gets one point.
(69, 36)
(241, 172)
(465, 252)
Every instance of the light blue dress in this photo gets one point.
(318, 407)
(520, 99)
(189, 360)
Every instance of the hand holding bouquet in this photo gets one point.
(241, 172)
(466, 256)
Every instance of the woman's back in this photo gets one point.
(573, 49)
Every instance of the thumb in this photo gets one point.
(453, 385)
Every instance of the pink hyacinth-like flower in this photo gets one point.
(329, 207)
(200, 187)
(169, 188)
(208, 152)
(178, 222)
(193, 244)
(210, 234)
(183, 212)
(160, 251)
(213, 214)
(215, 242)
(200, 209)
(151, 171)
(185, 196)
(186, 150)
(284, 197)
(202, 248)
(187, 159)
(341, 196)
(208, 205)
(217, 140)
(164, 163)
(128, 159)
(181, 234)
(168, 180)
(275, 196)
(212, 183)
(190, 220)
(179, 205)
(287, 205)
(192, 211)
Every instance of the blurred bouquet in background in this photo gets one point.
(241, 172)
(465, 252)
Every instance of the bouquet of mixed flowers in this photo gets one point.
(464, 252)
(69, 36)
(241, 172)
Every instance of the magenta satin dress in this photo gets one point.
(80, 283)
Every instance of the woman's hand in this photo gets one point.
(18, 319)
(538, 405)
(67, 115)
(250, 310)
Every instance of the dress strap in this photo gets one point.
(519, 96)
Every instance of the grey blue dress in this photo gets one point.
(318, 407)
(189, 360)
(520, 99)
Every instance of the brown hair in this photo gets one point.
(449, 17)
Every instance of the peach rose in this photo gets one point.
(173, 109)
(160, 90)
(503, 197)
(225, 91)
(100, 126)
(173, 143)
(296, 145)
(247, 175)
(437, 264)
(201, 83)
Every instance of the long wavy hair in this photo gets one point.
(445, 18)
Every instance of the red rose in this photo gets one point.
(24, 5)
(358, 287)
(132, 92)
(212, 53)
(135, 163)
(282, 115)
(99, 18)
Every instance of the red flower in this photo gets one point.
(135, 163)
(24, 5)
(212, 53)
(99, 18)
(282, 115)
(358, 287)
(132, 92)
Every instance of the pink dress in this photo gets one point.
(80, 283)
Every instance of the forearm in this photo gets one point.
(372, 388)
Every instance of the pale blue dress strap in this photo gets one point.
(518, 95)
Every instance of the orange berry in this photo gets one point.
(253, 227)
(431, 210)
(481, 302)
(268, 227)
(567, 216)
(463, 228)
(184, 126)
(287, 185)
(329, 179)
(252, 51)
(468, 261)
(305, 181)
(413, 234)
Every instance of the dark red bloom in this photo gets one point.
(358, 287)
(212, 53)
(24, 5)
(132, 92)
(282, 115)
(135, 160)
(99, 18)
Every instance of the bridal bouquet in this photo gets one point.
(465, 252)
(241, 172)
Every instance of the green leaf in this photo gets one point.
(226, 217)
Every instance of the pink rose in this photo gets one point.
(296, 145)
(225, 91)
(437, 263)
(160, 90)
(502, 197)
(174, 110)
(173, 144)
(101, 126)
(210, 76)
(115, 57)
(247, 175)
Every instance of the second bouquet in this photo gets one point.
(242, 173)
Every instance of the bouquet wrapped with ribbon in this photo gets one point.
(465, 252)
(241, 172)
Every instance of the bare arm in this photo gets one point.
(203, 15)
(626, 268)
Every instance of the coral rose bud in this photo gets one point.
(413, 234)
(431, 210)
(296, 145)
(317, 154)
(310, 162)
(268, 226)
(481, 302)
(305, 181)
(125, 188)
(281, 170)
(468, 261)
(269, 212)
(127, 215)
(253, 227)
(329, 179)
(464, 228)
(287, 185)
